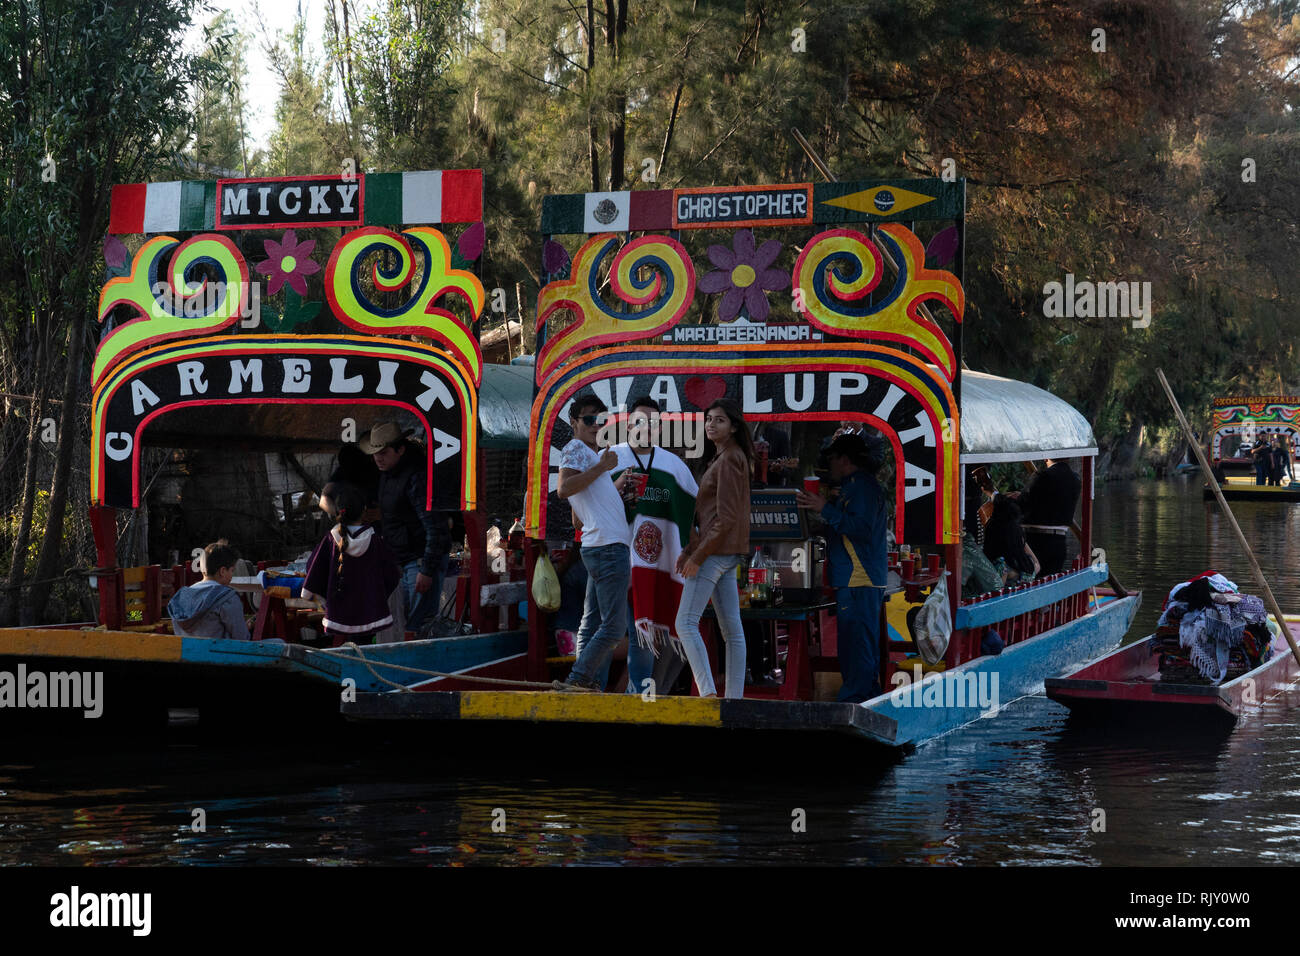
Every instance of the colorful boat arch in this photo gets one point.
(1251, 416)
(837, 325)
(323, 370)
(177, 302)
(908, 400)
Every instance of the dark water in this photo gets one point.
(1026, 788)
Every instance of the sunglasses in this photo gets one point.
(589, 419)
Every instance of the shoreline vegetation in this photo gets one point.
(1129, 170)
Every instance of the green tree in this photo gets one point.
(91, 94)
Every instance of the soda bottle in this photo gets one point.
(758, 579)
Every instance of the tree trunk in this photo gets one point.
(593, 154)
(17, 570)
(48, 564)
(616, 26)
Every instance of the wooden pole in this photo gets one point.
(1241, 538)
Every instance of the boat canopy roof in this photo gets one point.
(505, 406)
(1002, 419)
(1006, 420)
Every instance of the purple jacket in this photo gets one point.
(357, 601)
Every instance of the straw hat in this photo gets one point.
(381, 436)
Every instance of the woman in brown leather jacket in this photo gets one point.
(717, 546)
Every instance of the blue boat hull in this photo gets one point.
(944, 701)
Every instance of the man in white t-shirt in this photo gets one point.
(597, 501)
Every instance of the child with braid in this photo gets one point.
(353, 572)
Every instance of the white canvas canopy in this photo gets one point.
(1006, 420)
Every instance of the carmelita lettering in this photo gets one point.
(308, 201)
(306, 376)
(73, 909)
(58, 689)
(769, 205)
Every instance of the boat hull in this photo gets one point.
(509, 721)
(943, 701)
(1240, 490)
(143, 677)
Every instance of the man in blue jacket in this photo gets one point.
(856, 561)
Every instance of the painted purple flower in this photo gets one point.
(744, 276)
(115, 252)
(287, 262)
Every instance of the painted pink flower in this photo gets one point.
(744, 275)
(287, 261)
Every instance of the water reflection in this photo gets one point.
(1024, 788)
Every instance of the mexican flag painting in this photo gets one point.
(661, 527)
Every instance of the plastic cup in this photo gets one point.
(812, 485)
(636, 483)
(934, 563)
(909, 569)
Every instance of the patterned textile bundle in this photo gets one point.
(1211, 635)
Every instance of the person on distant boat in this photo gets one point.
(1048, 506)
(352, 571)
(1004, 538)
(1280, 459)
(1263, 456)
(211, 608)
(856, 559)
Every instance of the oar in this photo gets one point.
(1218, 493)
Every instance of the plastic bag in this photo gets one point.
(933, 626)
(546, 584)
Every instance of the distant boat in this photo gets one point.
(1126, 683)
(1250, 418)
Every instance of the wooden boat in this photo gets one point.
(1238, 421)
(1126, 684)
(886, 363)
(187, 366)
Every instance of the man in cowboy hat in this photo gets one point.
(418, 537)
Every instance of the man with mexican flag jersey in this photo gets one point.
(660, 527)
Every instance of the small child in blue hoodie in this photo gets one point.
(212, 607)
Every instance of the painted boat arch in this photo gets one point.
(1252, 416)
(297, 371)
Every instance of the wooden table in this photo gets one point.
(800, 620)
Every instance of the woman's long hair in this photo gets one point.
(349, 502)
(741, 436)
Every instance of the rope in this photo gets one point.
(532, 685)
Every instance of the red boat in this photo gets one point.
(1127, 683)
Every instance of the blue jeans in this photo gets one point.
(604, 616)
(419, 606)
(857, 626)
(716, 581)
